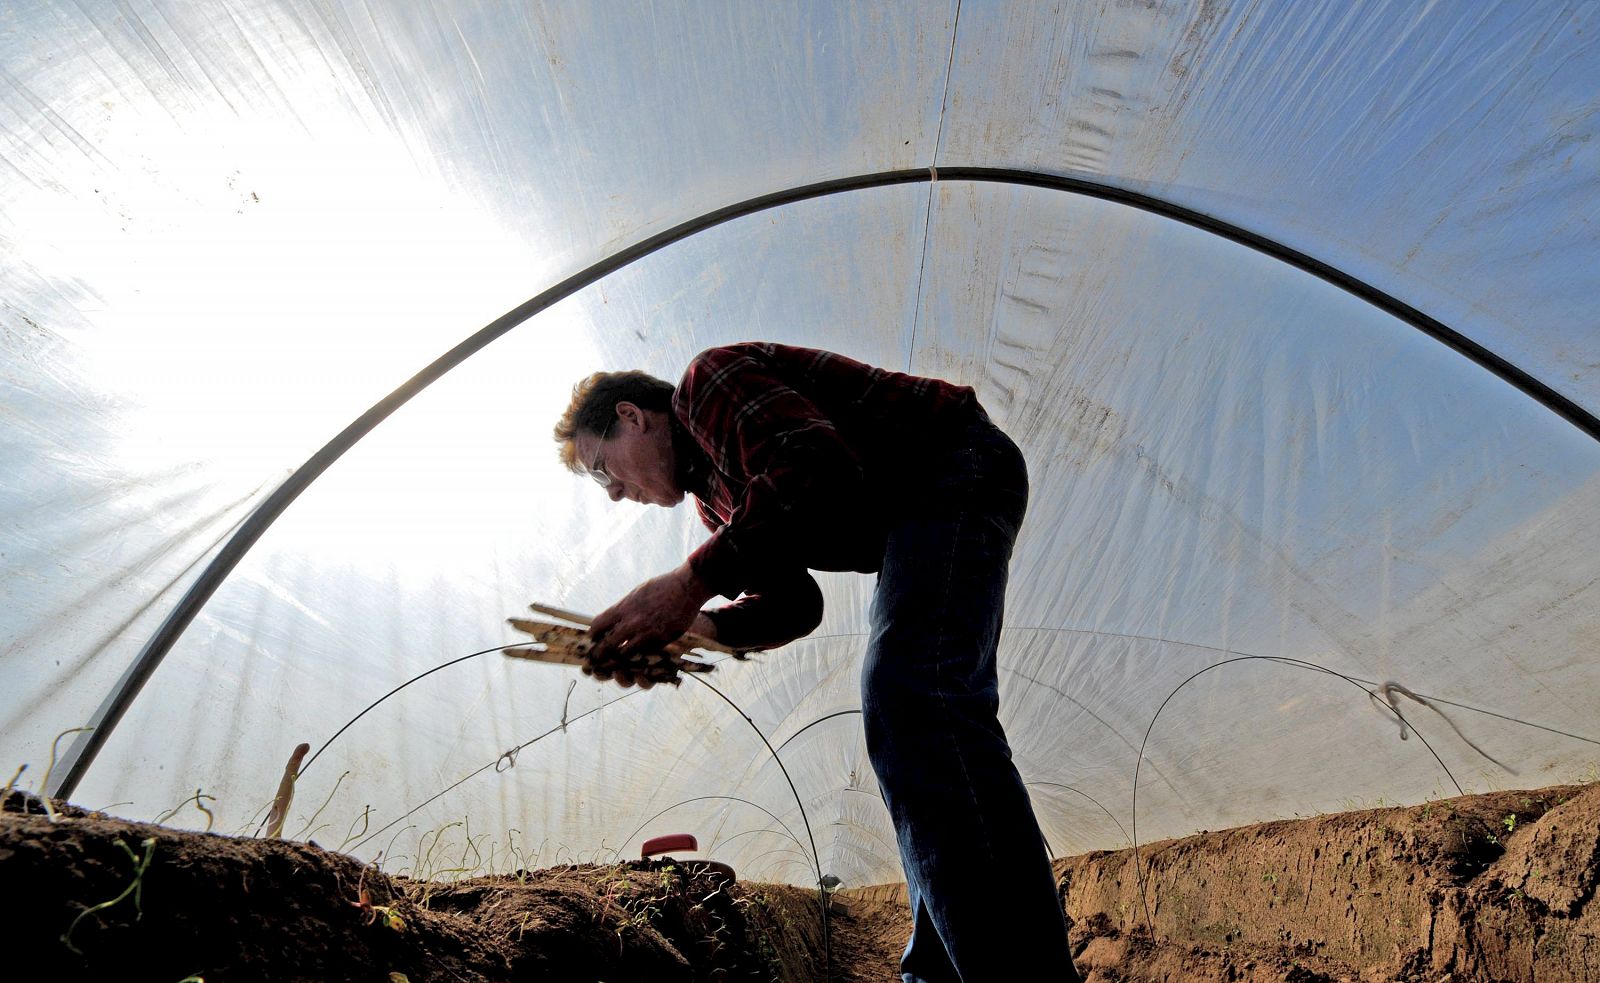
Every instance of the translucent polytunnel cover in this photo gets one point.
(1260, 503)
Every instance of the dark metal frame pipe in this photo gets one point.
(83, 751)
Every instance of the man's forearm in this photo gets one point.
(692, 584)
(773, 614)
(654, 613)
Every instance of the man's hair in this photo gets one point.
(594, 406)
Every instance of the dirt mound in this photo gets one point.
(1492, 887)
(1531, 915)
(98, 898)
(1495, 887)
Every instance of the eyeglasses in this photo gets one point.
(597, 470)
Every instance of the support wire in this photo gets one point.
(111, 711)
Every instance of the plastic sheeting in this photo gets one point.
(229, 228)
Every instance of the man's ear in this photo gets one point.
(630, 414)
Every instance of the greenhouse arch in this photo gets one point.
(231, 229)
(83, 751)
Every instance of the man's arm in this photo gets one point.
(783, 607)
(656, 612)
(801, 479)
(779, 610)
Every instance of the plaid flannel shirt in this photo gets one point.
(795, 457)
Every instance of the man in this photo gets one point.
(802, 460)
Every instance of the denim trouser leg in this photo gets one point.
(982, 897)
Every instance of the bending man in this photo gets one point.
(806, 460)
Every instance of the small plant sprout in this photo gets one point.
(375, 912)
(1510, 822)
(387, 853)
(364, 818)
(425, 866)
(136, 888)
(13, 783)
(44, 783)
(196, 798)
(307, 830)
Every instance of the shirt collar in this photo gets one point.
(692, 463)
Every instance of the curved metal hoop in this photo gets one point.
(84, 749)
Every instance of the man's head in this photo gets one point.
(618, 430)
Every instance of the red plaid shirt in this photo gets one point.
(795, 457)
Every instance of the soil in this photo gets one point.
(1491, 887)
(1496, 887)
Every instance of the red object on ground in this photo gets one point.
(668, 843)
(686, 841)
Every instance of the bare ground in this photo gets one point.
(1492, 887)
(1496, 887)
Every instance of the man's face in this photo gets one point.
(635, 456)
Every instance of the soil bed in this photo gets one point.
(1491, 887)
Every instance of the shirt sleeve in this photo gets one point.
(801, 480)
(772, 614)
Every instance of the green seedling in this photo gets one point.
(141, 864)
(528, 921)
(390, 917)
(198, 804)
(518, 856)
(13, 783)
(1510, 822)
(44, 783)
(376, 912)
(387, 853)
(470, 847)
(305, 833)
(426, 868)
(364, 818)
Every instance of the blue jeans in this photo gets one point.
(983, 898)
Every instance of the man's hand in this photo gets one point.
(652, 615)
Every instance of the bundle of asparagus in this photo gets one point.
(565, 641)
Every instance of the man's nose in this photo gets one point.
(615, 491)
